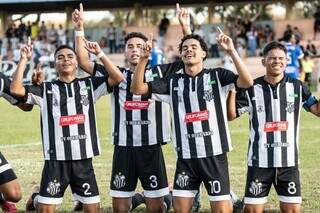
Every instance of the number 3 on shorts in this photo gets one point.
(154, 182)
(86, 187)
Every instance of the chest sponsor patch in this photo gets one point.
(136, 105)
(196, 116)
(276, 126)
(72, 119)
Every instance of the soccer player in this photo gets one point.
(140, 126)
(9, 186)
(69, 134)
(197, 98)
(294, 56)
(273, 103)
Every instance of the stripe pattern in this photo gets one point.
(68, 121)
(274, 121)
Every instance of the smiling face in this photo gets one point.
(132, 50)
(275, 62)
(191, 52)
(66, 62)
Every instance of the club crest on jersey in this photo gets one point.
(255, 187)
(211, 82)
(182, 180)
(84, 100)
(290, 107)
(208, 95)
(53, 187)
(55, 102)
(119, 180)
(150, 75)
(84, 90)
(260, 109)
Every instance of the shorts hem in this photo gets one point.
(219, 197)
(184, 193)
(87, 200)
(49, 200)
(122, 194)
(260, 200)
(287, 199)
(156, 193)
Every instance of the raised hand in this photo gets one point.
(146, 48)
(225, 41)
(38, 75)
(183, 15)
(78, 18)
(26, 50)
(92, 46)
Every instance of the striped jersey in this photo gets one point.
(274, 121)
(68, 121)
(138, 120)
(198, 108)
(5, 90)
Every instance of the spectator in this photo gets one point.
(252, 41)
(269, 34)
(307, 68)
(111, 36)
(198, 31)
(311, 48)
(22, 31)
(157, 56)
(298, 34)
(316, 27)
(34, 30)
(163, 27)
(214, 49)
(28, 33)
(43, 31)
(52, 35)
(61, 35)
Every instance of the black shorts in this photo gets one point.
(286, 181)
(212, 171)
(6, 172)
(79, 174)
(145, 163)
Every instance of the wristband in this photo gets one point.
(100, 55)
(79, 33)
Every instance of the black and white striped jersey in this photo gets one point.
(5, 90)
(138, 120)
(274, 113)
(198, 111)
(68, 120)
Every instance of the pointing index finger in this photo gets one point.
(178, 7)
(81, 7)
(219, 30)
(29, 41)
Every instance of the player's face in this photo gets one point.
(191, 52)
(275, 62)
(132, 50)
(66, 62)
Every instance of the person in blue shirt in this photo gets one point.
(294, 56)
(157, 56)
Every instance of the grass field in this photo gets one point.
(20, 143)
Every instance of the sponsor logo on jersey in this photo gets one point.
(72, 119)
(276, 144)
(119, 180)
(255, 187)
(74, 137)
(136, 105)
(182, 180)
(196, 116)
(276, 126)
(53, 187)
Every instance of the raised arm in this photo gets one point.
(138, 86)
(16, 86)
(245, 79)
(82, 53)
(184, 19)
(115, 76)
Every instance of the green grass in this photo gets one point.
(20, 143)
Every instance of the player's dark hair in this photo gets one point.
(135, 35)
(273, 45)
(64, 47)
(203, 44)
(287, 36)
